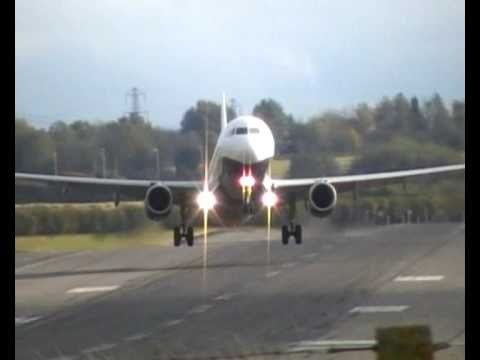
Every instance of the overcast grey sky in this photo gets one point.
(76, 59)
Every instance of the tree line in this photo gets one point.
(393, 134)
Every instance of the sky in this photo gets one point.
(78, 59)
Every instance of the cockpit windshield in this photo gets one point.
(241, 131)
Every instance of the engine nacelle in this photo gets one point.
(322, 198)
(158, 202)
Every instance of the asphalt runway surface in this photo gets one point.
(159, 302)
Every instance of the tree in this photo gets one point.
(279, 122)
(313, 165)
(33, 149)
(196, 117)
(365, 120)
(416, 121)
(188, 156)
(441, 125)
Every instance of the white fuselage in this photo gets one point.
(246, 140)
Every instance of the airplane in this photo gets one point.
(236, 179)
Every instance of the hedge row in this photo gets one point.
(49, 220)
(394, 210)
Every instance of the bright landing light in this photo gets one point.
(247, 181)
(206, 200)
(269, 199)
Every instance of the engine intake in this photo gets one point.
(322, 198)
(158, 202)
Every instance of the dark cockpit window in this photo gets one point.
(254, 131)
(241, 131)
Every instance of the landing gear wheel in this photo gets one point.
(285, 235)
(298, 234)
(176, 236)
(190, 236)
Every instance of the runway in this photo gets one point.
(156, 302)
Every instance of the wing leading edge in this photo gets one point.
(134, 189)
(349, 181)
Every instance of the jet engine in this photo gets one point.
(322, 198)
(158, 202)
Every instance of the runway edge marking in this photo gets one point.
(89, 289)
(23, 320)
(379, 309)
(419, 278)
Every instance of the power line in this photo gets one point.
(135, 94)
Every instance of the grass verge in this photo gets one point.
(148, 236)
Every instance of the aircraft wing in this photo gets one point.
(133, 189)
(348, 182)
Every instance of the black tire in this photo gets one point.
(298, 234)
(285, 235)
(190, 236)
(176, 236)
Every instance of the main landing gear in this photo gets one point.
(291, 230)
(183, 232)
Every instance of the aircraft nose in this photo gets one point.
(258, 149)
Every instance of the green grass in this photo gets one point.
(150, 235)
(280, 168)
(344, 162)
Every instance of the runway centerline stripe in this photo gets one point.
(136, 337)
(200, 309)
(309, 256)
(174, 322)
(379, 309)
(272, 274)
(102, 347)
(225, 297)
(289, 265)
(419, 278)
(89, 289)
(22, 320)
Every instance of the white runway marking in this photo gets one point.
(309, 256)
(289, 265)
(64, 357)
(331, 344)
(102, 347)
(22, 320)
(174, 322)
(82, 290)
(225, 297)
(272, 274)
(419, 278)
(200, 309)
(136, 337)
(375, 309)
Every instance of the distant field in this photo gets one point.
(345, 162)
(152, 235)
(280, 168)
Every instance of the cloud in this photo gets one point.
(80, 58)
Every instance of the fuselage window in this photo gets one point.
(254, 131)
(241, 131)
